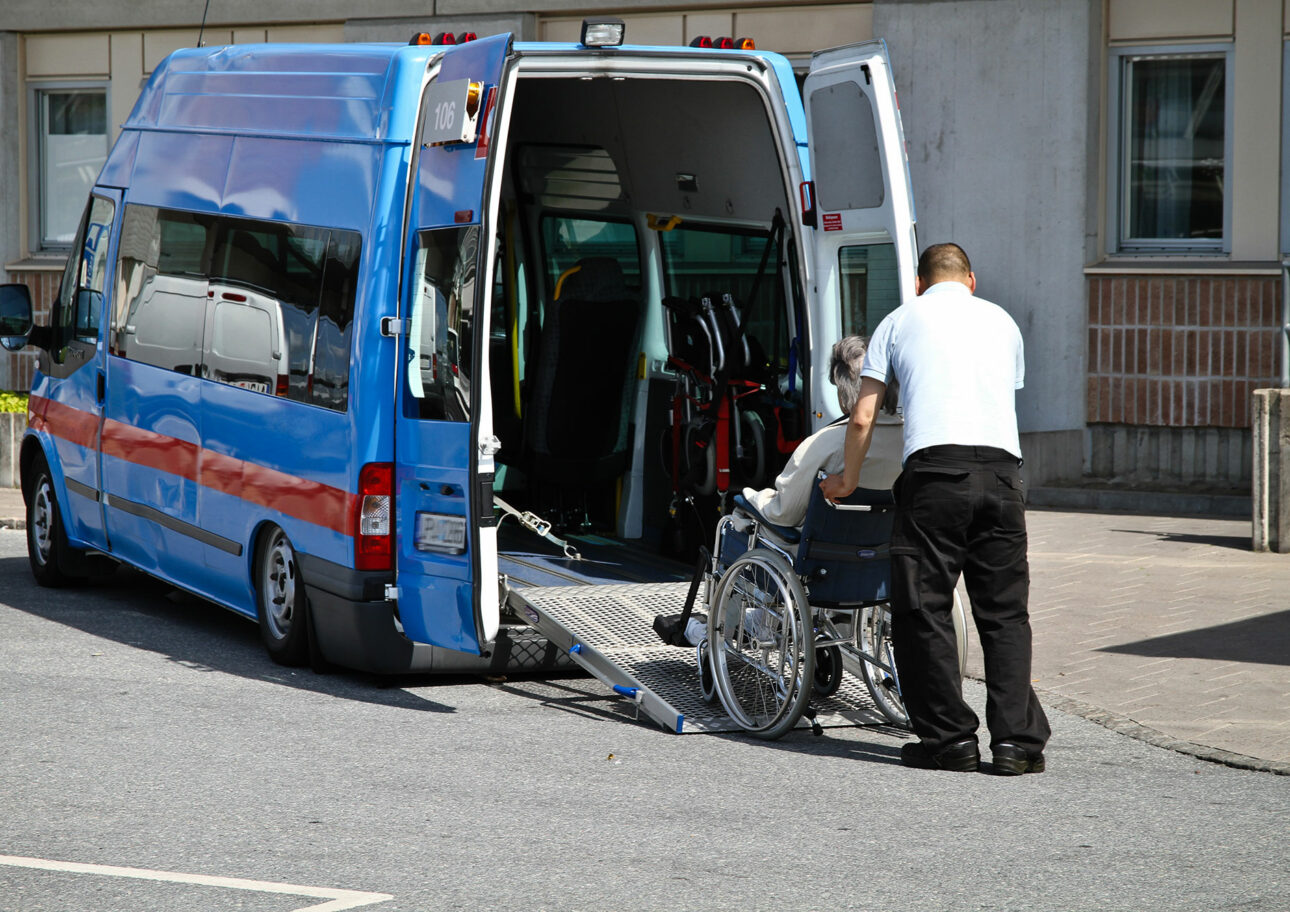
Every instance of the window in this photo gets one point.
(567, 239)
(1171, 140)
(71, 141)
(264, 306)
(80, 294)
(441, 319)
(870, 287)
(700, 260)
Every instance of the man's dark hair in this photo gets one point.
(943, 261)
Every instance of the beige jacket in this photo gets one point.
(785, 503)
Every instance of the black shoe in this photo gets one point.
(1011, 760)
(960, 757)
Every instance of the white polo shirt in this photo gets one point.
(959, 361)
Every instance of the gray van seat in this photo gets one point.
(579, 403)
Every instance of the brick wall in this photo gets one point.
(17, 368)
(1181, 351)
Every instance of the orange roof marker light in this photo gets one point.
(442, 38)
(724, 43)
(606, 32)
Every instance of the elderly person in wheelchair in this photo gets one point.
(798, 590)
(785, 503)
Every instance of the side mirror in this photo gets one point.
(15, 316)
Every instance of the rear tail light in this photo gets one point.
(463, 37)
(703, 41)
(374, 543)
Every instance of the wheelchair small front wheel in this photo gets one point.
(828, 671)
(760, 644)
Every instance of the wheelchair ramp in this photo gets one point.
(608, 630)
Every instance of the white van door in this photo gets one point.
(446, 534)
(865, 251)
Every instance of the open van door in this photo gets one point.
(865, 251)
(446, 536)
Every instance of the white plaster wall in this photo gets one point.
(996, 106)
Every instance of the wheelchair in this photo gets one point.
(790, 612)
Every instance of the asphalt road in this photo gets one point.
(146, 731)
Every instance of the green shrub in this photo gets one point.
(13, 402)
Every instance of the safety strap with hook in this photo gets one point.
(542, 527)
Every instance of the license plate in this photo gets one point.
(441, 532)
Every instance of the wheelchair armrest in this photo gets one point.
(787, 533)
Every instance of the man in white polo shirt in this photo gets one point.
(960, 509)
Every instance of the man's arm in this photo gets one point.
(859, 434)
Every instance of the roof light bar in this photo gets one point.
(607, 32)
(724, 43)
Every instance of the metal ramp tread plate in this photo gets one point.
(608, 629)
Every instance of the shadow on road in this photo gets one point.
(136, 610)
(1264, 639)
(1235, 542)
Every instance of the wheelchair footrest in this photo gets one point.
(680, 630)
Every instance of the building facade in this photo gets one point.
(1113, 167)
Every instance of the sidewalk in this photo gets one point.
(1165, 628)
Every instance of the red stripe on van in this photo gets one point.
(72, 424)
(148, 448)
(311, 501)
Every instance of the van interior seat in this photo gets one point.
(579, 404)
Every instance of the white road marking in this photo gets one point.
(338, 900)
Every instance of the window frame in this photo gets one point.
(36, 170)
(1285, 150)
(1118, 60)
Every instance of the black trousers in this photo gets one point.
(960, 510)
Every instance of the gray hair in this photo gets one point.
(844, 370)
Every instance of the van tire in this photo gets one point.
(280, 602)
(52, 561)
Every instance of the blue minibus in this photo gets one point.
(350, 334)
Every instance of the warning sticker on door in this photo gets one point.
(833, 221)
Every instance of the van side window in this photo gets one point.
(160, 310)
(440, 349)
(265, 306)
(330, 386)
(80, 294)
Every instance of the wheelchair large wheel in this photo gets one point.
(878, 665)
(880, 676)
(760, 643)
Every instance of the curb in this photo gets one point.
(1123, 725)
(1165, 503)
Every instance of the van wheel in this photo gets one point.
(47, 547)
(280, 600)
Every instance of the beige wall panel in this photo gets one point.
(662, 29)
(1146, 20)
(1256, 152)
(567, 29)
(714, 25)
(322, 34)
(156, 45)
(248, 36)
(127, 79)
(67, 55)
(803, 29)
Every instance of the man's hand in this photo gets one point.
(835, 488)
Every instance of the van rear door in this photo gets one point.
(865, 250)
(446, 537)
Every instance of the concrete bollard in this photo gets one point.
(1271, 491)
